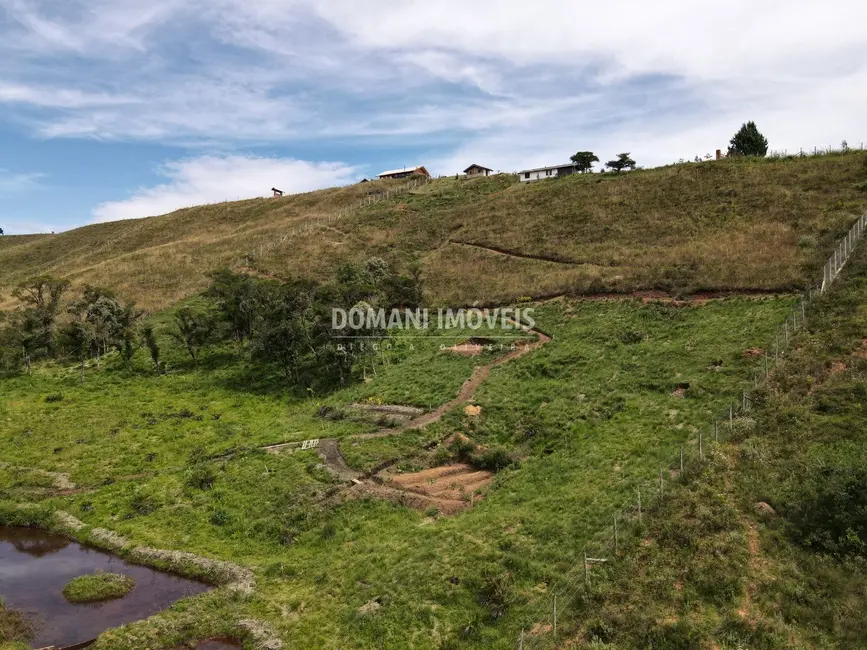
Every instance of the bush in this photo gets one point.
(493, 459)
(56, 397)
(462, 448)
(830, 513)
(630, 337)
(201, 476)
(143, 503)
(496, 593)
(97, 587)
(220, 517)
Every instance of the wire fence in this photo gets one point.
(318, 223)
(844, 147)
(540, 629)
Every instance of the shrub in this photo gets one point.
(56, 397)
(462, 448)
(143, 503)
(97, 587)
(220, 517)
(493, 459)
(830, 513)
(201, 476)
(496, 593)
(630, 337)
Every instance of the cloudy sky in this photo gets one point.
(111, 109)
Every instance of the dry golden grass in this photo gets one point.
(722, 225)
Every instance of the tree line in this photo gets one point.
(748, 141)
(284, 324)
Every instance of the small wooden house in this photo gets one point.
(474, 171)
(405, 172)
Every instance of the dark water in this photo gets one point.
(35, 566)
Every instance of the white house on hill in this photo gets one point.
(541, 173)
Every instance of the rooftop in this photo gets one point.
(541, 169)
(390, 172)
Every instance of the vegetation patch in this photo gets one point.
(15, 629)
(97, 587)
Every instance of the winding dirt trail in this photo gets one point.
(465, 394)
(329, 449)
(519, 255)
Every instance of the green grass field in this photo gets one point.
(588, 415)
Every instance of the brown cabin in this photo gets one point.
(474, 171)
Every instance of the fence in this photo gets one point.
(319, 222)
(844, 147)
(540, 629)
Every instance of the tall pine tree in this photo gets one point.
(748, 141)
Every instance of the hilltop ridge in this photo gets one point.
(751, 224)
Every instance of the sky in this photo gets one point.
(111, 109)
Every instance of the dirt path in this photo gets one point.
(329, 449)
(465, 394)
(524, 256)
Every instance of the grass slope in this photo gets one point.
(715, 571)
(589, 414)
(732, 224)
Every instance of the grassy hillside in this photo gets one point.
(732, 224)
(587, 416)
(766, 548)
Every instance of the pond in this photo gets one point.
(35, 566)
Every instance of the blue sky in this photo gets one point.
(111, 109)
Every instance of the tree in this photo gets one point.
(78, 337)
(623, 161)
(584, 161)
(41, 295)
(236, 300)
(150, 340)
(11, 344)
(112, 322)
(748, 141)
(285, 328)
(194, 330)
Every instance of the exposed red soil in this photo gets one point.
(453, 482)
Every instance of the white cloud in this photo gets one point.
(516, 83)
(14, 183)
(212, 178)
(58, 97)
